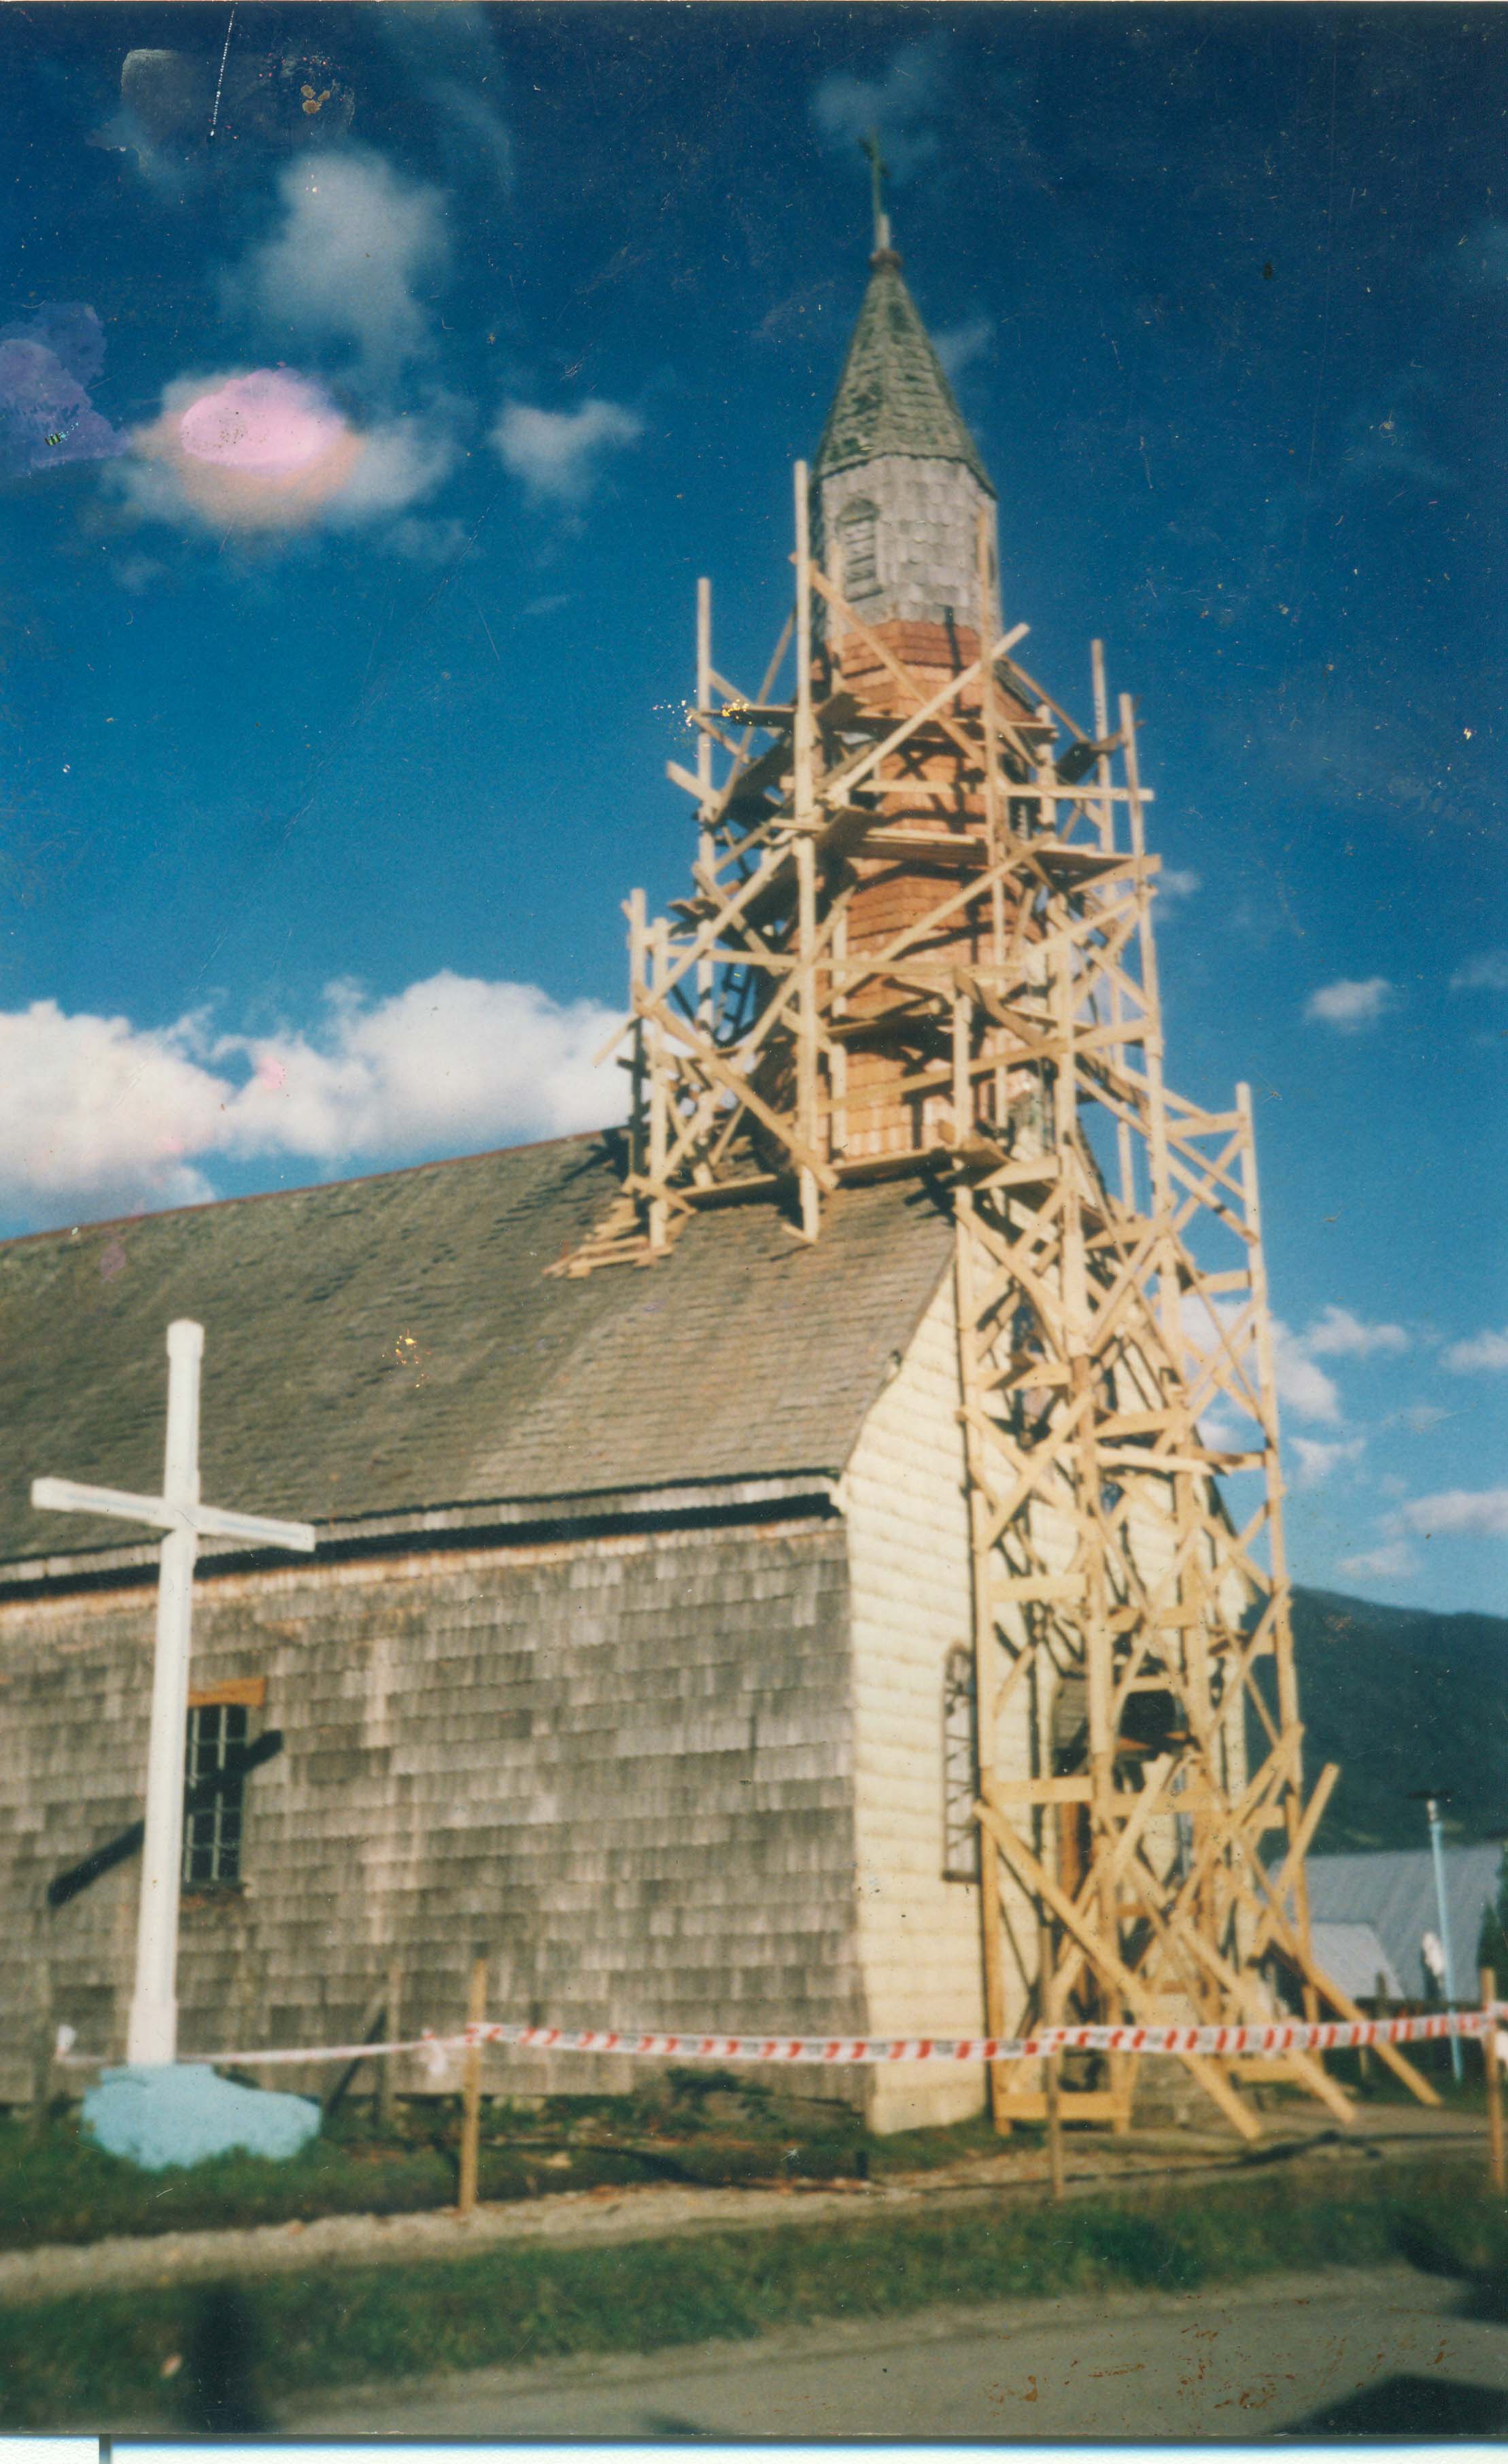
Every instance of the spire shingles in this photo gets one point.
(893, 397)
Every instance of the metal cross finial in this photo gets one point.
(879, 171)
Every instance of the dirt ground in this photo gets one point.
(656, 2211)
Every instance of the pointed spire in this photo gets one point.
(892, 396)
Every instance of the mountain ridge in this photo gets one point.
(1401, 1699)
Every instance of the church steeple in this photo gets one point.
(898, 483)
(893, 396)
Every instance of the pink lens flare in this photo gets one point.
(268, 422)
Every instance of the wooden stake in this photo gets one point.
(1492, 2068)
(472, 2095)
(1055, 2126)
(1052, 2066)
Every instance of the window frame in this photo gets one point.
(219, 1718)
(860, 516)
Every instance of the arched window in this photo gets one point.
(960, 1768)
(857, 526)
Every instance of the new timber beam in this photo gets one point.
(921, 942)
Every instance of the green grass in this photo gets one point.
(60, 2188)
(132, 2355)
(698, 2125)
(697, 2128)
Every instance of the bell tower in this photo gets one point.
(899, 491)
(918, 942)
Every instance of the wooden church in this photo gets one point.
(769, 1572)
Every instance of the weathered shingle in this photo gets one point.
(893, 397)
(393, 1343)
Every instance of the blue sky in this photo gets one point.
(323, 799)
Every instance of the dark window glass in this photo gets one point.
(212, 1836)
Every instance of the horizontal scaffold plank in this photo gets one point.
(1074, 2104)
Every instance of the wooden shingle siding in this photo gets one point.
(909, 1571)
(622, 1767)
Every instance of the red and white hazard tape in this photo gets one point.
(1275, 2036)
(1281, 2037)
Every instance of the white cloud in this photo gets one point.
(1488, 1350)
(1302, 1385)
(355, 241)
(1393, 1562)
(900, 104)
(557, 453)
(400, 462)
(450, 56)
(484, 138)
(1419, 1419)
(137, 574)
(1178, 884)
(99, 1116)
(94, 1110)
(333, 476)
(958, 346)
(1486, 973)
(1337, 1332)
(1318, 1457)
(1304, 1388)
(1349, 1007)
(1482, 1513)
(434, 540)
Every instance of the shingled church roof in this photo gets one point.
(391, 1345)
(893, 397)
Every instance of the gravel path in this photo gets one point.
(659, 2211)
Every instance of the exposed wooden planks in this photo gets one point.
(918, 947)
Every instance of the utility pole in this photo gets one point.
(1432, 1800)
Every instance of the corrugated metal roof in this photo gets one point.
(394, 1343)
(892, 396)
(1393, 1890)
(1353, 1956)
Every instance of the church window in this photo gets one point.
(960, 1768)
(216, 1784)
(856, 527)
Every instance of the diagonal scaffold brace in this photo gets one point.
(919, 941)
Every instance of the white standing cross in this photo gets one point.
(152, 2035)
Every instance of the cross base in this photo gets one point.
(157, 2114)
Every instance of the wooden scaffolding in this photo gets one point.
(919, 941)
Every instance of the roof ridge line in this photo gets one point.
(305, 1188)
